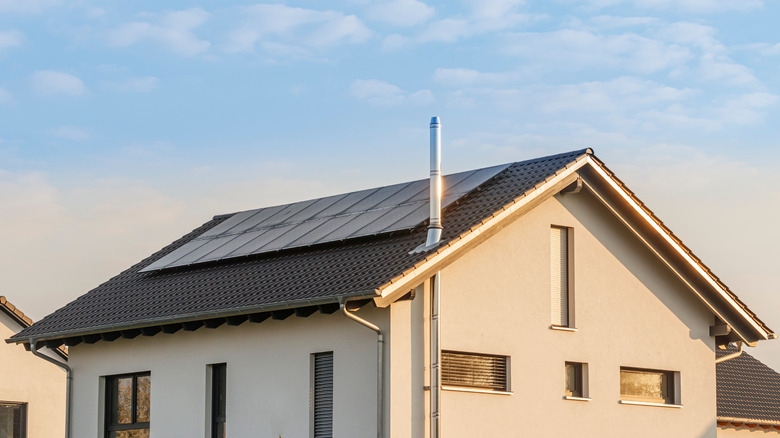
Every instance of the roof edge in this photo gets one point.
(14, 312)
(20, 338)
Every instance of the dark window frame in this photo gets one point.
(450, 378)
(218, 399)
(570, 322)
(112, 399)
(21, 417)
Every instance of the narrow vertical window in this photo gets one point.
(322, 395)
(128, 405)
(13, 420)
(559, 277)
(218, 399)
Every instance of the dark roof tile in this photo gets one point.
(747, 389)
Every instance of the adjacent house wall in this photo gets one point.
(29, 379)
(268, 376)
(629, 311)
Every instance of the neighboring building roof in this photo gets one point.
(315, 277)
(748, 391)
(15, 314)
(24, 321)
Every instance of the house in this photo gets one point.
(32, 390)
(748, 397)
(537, 298)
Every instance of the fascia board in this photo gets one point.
(665, 234)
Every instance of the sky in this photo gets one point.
(123, 125)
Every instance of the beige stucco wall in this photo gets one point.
(745, 432)
(29, 379)
(629, 311)
(268, 376)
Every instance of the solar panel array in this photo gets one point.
(333, 218)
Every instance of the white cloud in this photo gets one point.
(172, 30)
(746, 109)
(10, 38)
(71, 133)
(485, 16)
(276, 28)
(401, 12)
(381, 93)
(395, 42)
(576, 49)
(48, 82)
(5, 96)
(710, 6)
(28, 6)
(464, 76)
(143, 84)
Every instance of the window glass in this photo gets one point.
(218, 399)
(13, 421)
(574, 379)
(142, 398)
(646, 385)
(125, 400)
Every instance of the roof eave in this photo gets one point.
(21, 338)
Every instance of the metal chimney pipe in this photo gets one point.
(434, 227)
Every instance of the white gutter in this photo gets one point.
(380, 365)
(69, 384)
(732, 355)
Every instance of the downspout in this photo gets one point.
(380, 365)
(435, 357)
(732, 355)
(68, 386)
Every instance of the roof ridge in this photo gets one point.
(588, 151)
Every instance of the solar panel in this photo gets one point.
(330, 219)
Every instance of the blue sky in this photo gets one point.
(123, 125)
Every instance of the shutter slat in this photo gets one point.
(474, 370)
(559, 276)
(323, 395)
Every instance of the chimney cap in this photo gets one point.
(435, 120)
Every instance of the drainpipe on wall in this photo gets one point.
(380, 365)
(732, 355)
(435, 356)
(68, 386)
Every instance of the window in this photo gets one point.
(322, 395)
(13, 420)
(128, 405)
(560, 277)
(649, 386)
(473, 370)
(218, 399)
(576, 380)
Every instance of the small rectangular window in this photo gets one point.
(651, 386)
(128, 405)
(322, 395)
(13, 420)
(575, 382)
(218, 399)
(560, 281)
(474, 370)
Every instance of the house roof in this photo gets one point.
(748, 391)
(24, 321)
(381, 266)
(14, 312)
